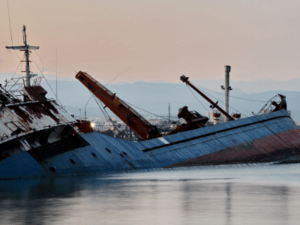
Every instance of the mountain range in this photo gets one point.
(155, 97)
(247, 97)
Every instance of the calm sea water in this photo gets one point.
(240, 194)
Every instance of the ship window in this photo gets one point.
(93, 154)
(122, 155)
(52, 169)
(107, 150)
(72, 161)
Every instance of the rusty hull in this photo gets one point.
(29, 117)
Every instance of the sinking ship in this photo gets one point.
(39, 138)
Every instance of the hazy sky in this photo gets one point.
(157, 39)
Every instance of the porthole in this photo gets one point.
(52, 169)
(107, 150)
(93, 154)
(72, 161)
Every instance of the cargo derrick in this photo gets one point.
(194, 119)
(128, 115)
(185, 79)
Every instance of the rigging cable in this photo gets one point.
(224, 103)
(104, 112)
(227, 105)
(46, 80)
(14, 75)
(12, 42)
(23, 58)
(101, 107)
(117, 76)
(40, 59)
(92, 95)
(144, 110)
(197, 98)
(229, 95)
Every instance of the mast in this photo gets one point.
(26, 48)
(227, 88)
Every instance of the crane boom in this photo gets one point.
(129, 116)
(185, 79)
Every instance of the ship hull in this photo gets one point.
(265, 138)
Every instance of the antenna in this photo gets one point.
(10, 24)
(56, 74)
(26, 49)
(169, 113)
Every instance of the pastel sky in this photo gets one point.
(157, 39)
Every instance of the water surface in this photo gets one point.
(240, 194)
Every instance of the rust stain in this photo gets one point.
(23, 114)
(266, 149)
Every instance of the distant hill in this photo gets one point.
(155, 97)
(245, 86)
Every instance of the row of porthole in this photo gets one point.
(120, 154)
(124, 154)
(73, 162)
(52, 169)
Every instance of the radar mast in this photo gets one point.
(26, 49)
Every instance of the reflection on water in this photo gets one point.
(207, 195)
